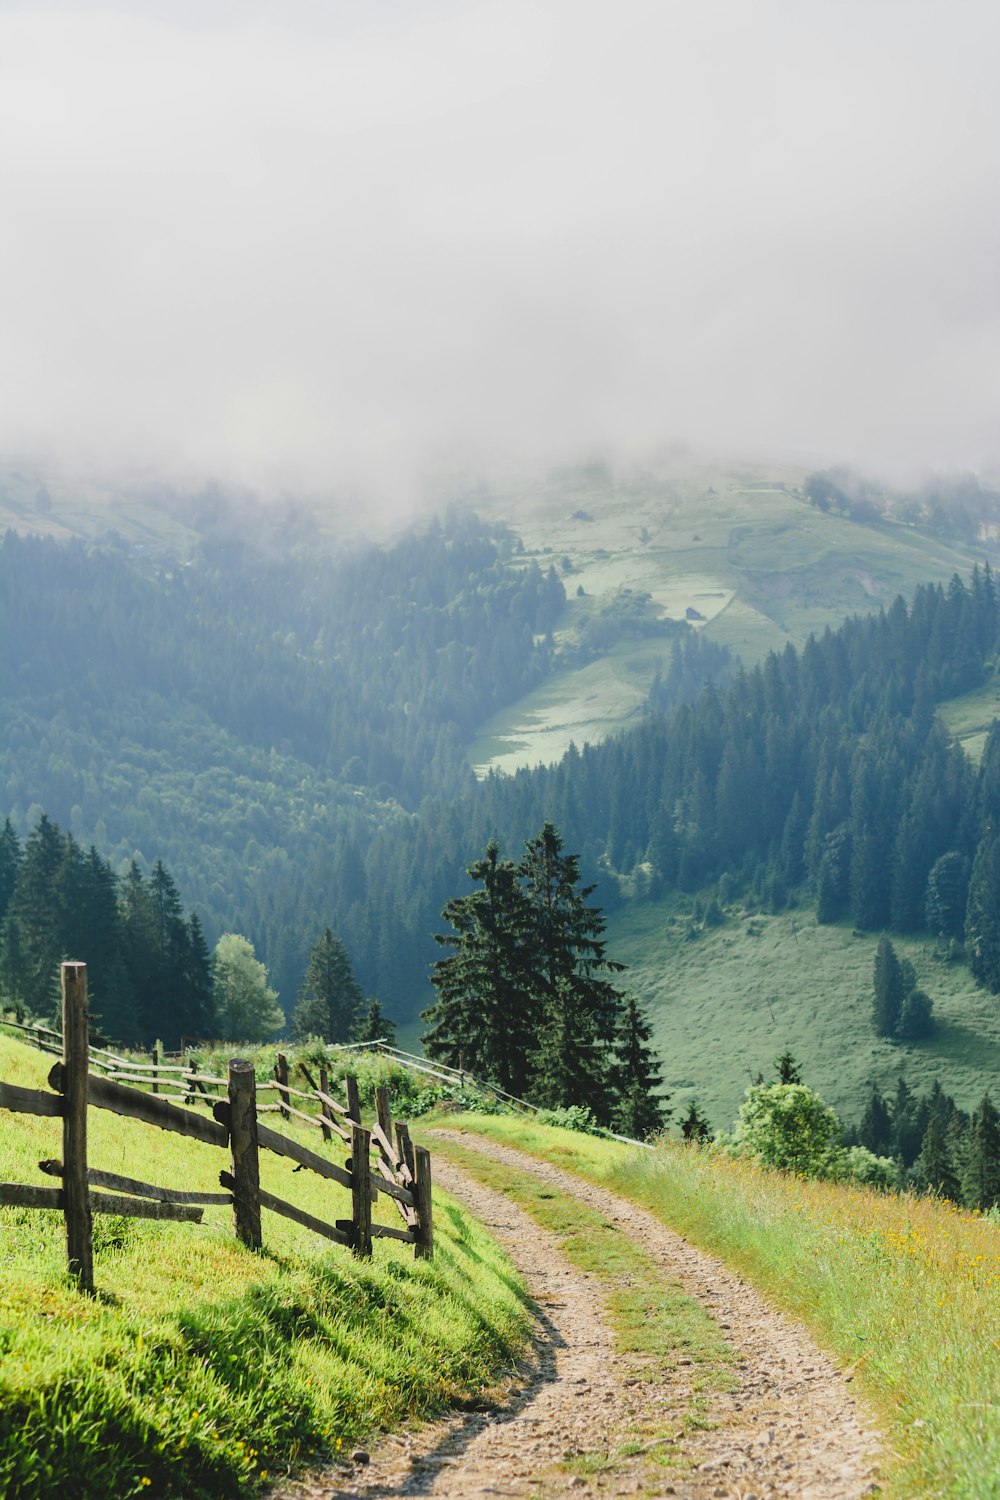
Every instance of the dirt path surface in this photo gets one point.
(790, 1427)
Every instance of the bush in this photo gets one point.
(787, 1125)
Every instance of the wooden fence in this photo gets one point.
(401, 1172)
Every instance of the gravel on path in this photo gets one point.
(790, 1427)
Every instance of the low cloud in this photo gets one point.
(318, 247)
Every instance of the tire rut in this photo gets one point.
(790, 1427)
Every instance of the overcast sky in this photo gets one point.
(310, 244)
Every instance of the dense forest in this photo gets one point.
(254, 716)
(285, 731)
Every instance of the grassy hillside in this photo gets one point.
(743, 548)
(725, 1003)
(200, 1367)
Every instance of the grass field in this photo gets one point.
(969, 718)
(904, 1291)
(741, 547)
(200, 1368)
(726, 1003)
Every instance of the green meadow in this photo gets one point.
(725, 1003)
(201, 1368)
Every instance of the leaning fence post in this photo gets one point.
(281, 1074)
(361, 1189)
(324, 1088)
(383, 1113)
(353, 1100)
(405, 1148)
(425, 1214)
(76, 1057)
(243, 1144)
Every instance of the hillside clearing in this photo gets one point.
(725, 1003)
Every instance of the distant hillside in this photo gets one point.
(744, 550)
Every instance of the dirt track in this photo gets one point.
(791, 1427)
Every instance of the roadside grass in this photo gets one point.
(725, 1004)
(200, 1368)
(904, 1291)
(653, 1318)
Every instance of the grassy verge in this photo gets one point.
(653, 1318)
(905, 1291)
(200, 1368)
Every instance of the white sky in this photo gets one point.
(310, 244)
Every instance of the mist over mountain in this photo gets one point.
(354, 250)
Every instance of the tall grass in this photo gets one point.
(905, 1291)
(201, 1368)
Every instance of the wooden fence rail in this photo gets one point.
(402, 1174)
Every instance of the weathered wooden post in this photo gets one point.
(76, 1058)
(422, 1192)
(281, 1074)
(353, 1101)
(361, 1189)
(405, 1148)
(324, 1088)
(157, 1055)
(383, 1114)
(243, 1145)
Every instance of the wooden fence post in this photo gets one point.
(281, 1074)
(422, 1192)
(157, 1055)
(324, 1088)
(353, 1101)
(405, 1148)
(76, 1058)
(243, 1144)
(361, 1189)
(383, 1113)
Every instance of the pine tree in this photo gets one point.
(787, 1068)
(636, 1079)
(948, 894)
(330, 998)
(486, 1015)
(934, 1164)
(567, 953)
(982, 918)
(375, 1026)
(10, 860)
(981, 1176)
(875, 1131)
(695, 1126)
(889, 989)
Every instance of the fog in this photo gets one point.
(354, 246)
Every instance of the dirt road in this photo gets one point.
(577, 1408)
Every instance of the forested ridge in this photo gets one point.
(285, 732)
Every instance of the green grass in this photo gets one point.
(199, 1368)
(905, 1291)
(969, 718)
(725, 1004)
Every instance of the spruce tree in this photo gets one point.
(889, 989)
(568, 963)
(981, 1175)
(935, 1166)
(640, 1106)
(982, 918)
(488, 1010)
(695, 1126)
(375, 1026)
(875, 1131)
(330, 999)
(787, 1068)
